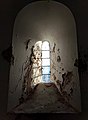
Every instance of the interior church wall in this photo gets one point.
(56, 24)
(9, 9)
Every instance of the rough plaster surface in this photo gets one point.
(51, 101)
(41, 21)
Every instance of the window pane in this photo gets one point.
(45, 70)
(46, 78)
(45, 46)
(45, 54)
(45, 62)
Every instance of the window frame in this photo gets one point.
(47, 81)
(41, 67)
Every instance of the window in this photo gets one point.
(45, 62)
(41, 62)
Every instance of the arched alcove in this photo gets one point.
(38, 22)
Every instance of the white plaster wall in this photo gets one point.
(41, 21)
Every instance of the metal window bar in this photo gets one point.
(45, 74)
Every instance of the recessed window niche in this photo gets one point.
(43, 78)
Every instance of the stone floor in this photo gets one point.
(45, 99)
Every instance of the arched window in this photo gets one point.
(41, 62)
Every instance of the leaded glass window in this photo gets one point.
(41, 62)
(45, 62)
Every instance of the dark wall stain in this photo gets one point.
(81, 64)
(54, 47)
(67, 77)
(26, 43)
(58, 59)
(62, 69)
(54, 77)
(71, 91)
(8, 56)
(58, 50)
(12, 60)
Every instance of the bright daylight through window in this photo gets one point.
(41, 63)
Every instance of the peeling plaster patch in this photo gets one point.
(54, 77)
(54, 47)
(8, 56)
(67, 77)
(31, 77)
(53, 66)
(61, 63)
(59, 84)
(58, 59)
(33, 59)
(62, 69)
(26, 87)
(26, 43)
(58, 50)
(28, 80)
(71, 91)
(67, 95)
